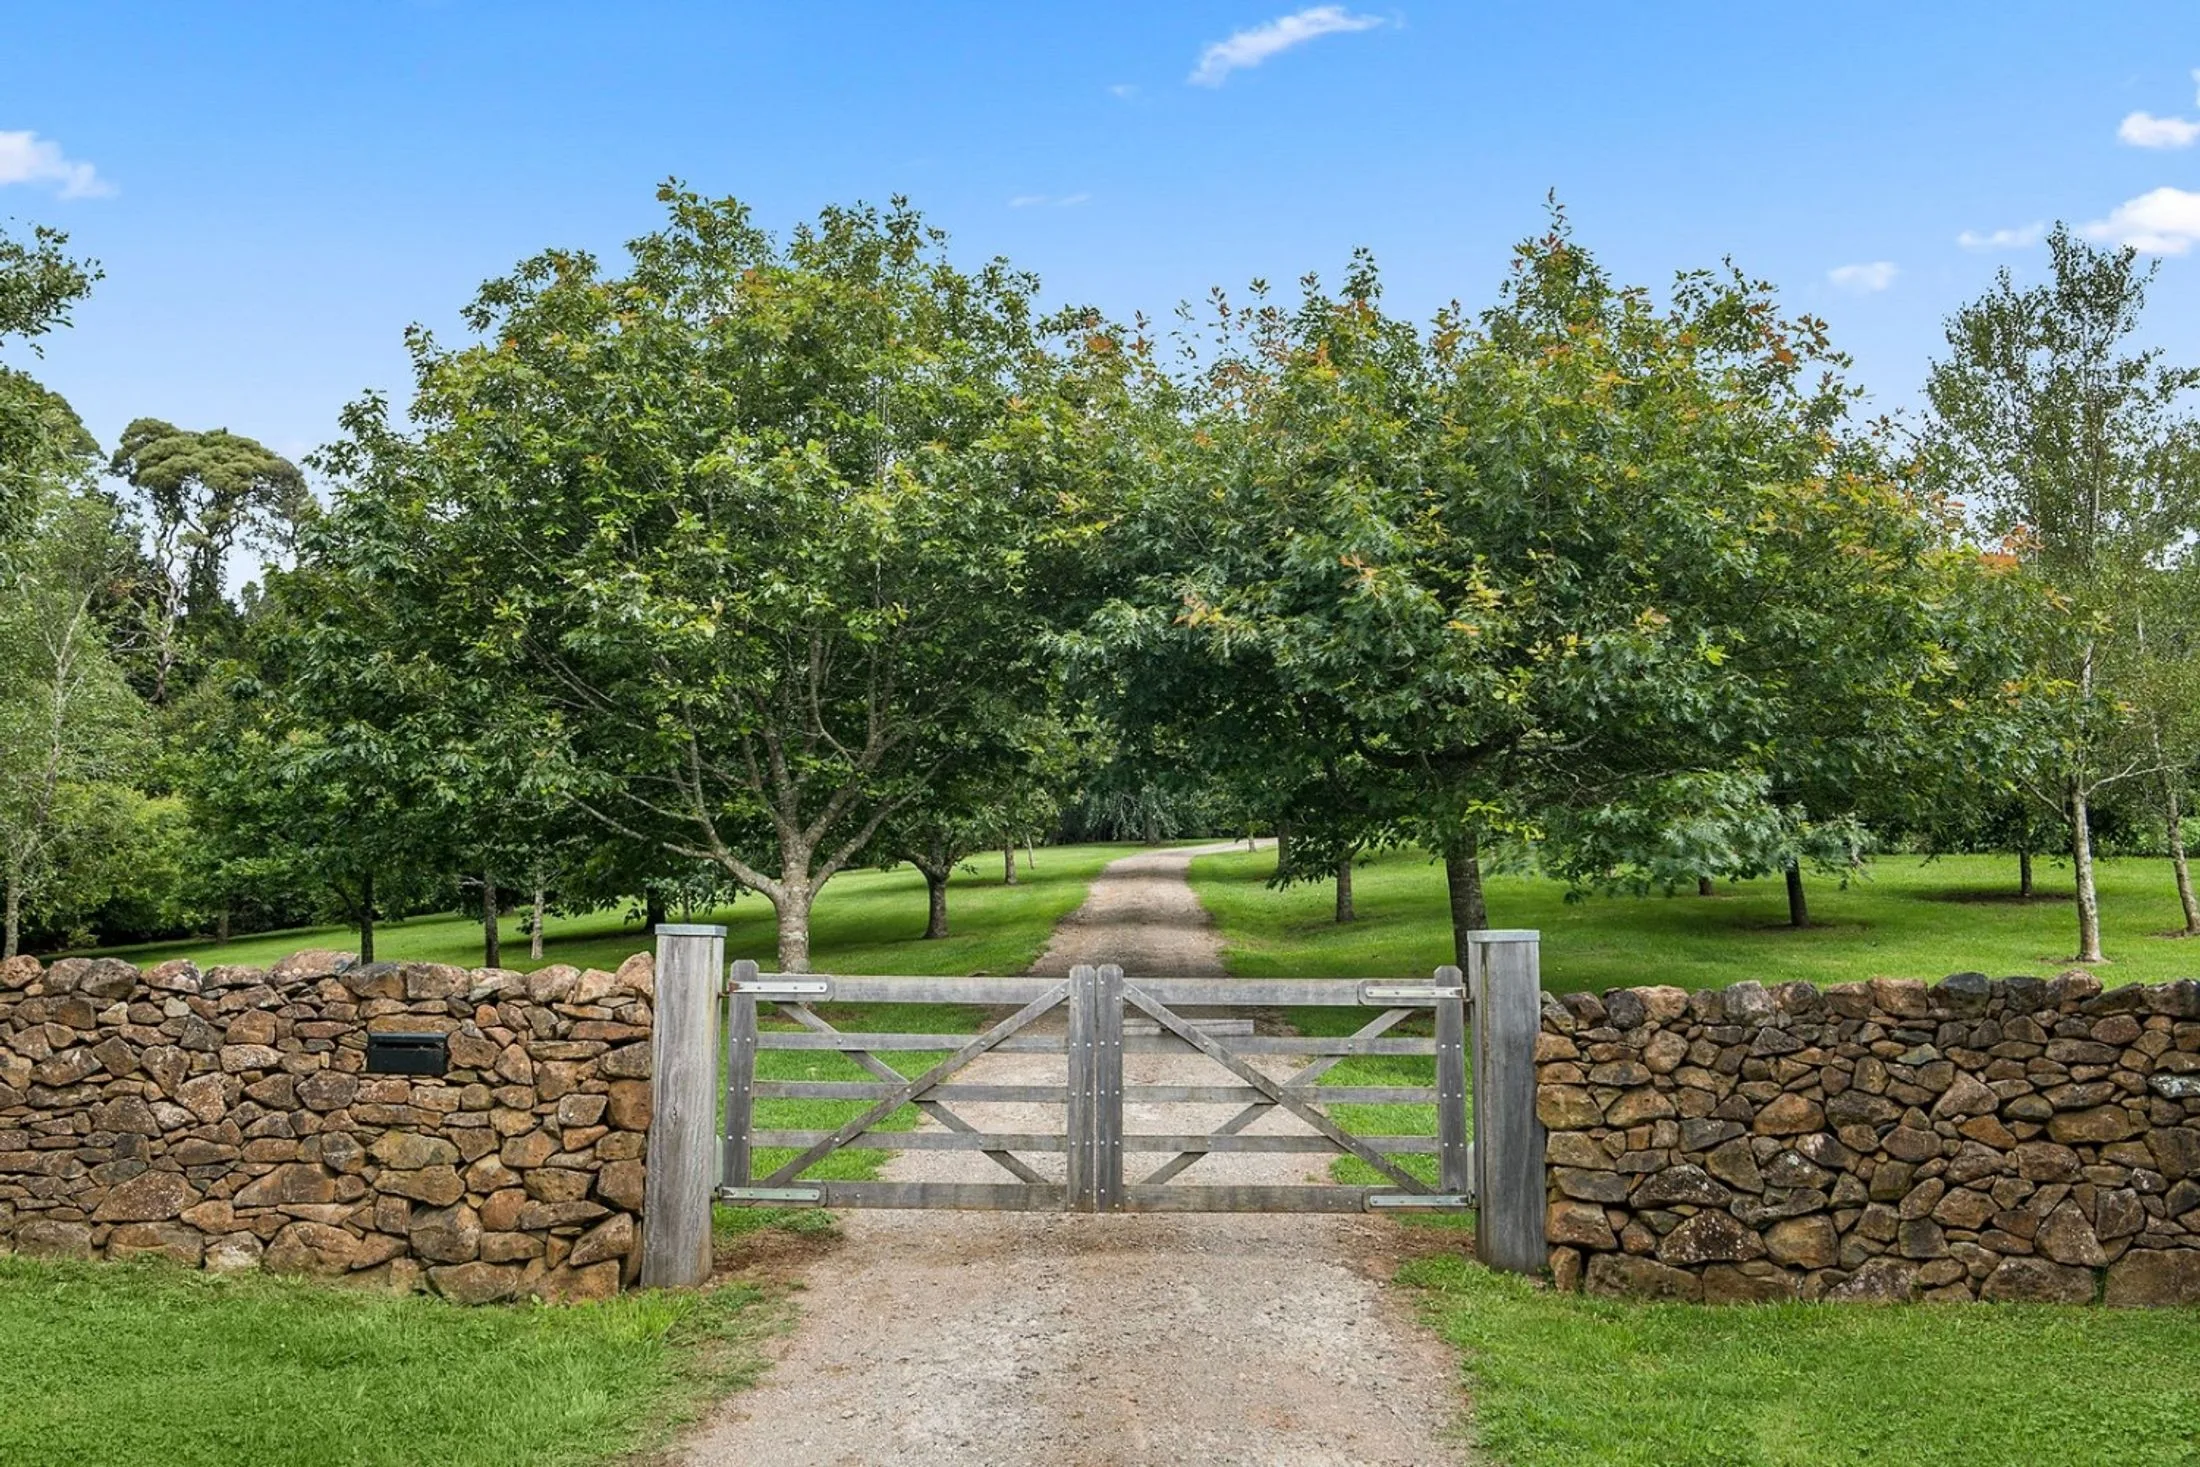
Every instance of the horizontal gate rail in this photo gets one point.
(964, 1196)
(974, 1090)
(1133, 1092)
(1305, 1090)
(1294, 1197)
(1233, 993)
(1163, 1043)
(1050, 1141)
(925, 1140)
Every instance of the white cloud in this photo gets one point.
(1048, 201)
(1251, 47)
(1867, 279)
(2145, 130)
(2165, 221)
(2023, 237)
(25, 157)
(1123, 91)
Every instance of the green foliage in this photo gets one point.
(202, 494)
(148, 1365)
(72, 733)
(751, 526)
(1585, 571)
(40, 436)
(2076, 449)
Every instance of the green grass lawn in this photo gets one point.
(1906, 918)
(148, 1365)
(864, 922)
(1562, 1380)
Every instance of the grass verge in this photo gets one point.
(1558, 1379)
(1905, 918)
(148, 1365)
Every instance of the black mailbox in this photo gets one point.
(408, 1054)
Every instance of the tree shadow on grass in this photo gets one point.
(1976, 896)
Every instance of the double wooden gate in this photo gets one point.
(1091, 1022)
(1074, 1095)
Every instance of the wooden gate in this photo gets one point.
(715, 1135)
(1098, 1017)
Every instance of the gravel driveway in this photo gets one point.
(1077, 1341)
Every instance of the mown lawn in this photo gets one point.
(1562, 1380)
(865, 922)
(149, 1365)
(1906, 917)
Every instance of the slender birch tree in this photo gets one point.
(2070, 442)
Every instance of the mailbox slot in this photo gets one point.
(408, 1054)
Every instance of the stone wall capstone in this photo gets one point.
(2010, 1139)
(225, 1119)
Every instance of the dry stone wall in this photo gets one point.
(2013, 1139)
(226, 1120)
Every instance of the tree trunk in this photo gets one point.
(1463, 879)
(1008, 864)
(1031, 854)
(1798, 908)
(492, 939)
(1283, 849)
(935, 889)
(366, 919)
(534, 928)
(793, 906)
(653, 911)
(12, 937)
(2024, 873)
(221, 924)
(2081, 859)
(1703, 886)
(1344, 889)
(2177, 861)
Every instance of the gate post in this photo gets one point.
(1107, 1091)
(683, 1047)
(740, 1108)
(1504, 975)
(1454, 1158)
(1081, 1126)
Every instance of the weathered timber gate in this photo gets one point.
(1487, 1148)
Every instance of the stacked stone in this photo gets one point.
(225, 1119)
(2014, 1139)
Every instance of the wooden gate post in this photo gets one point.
(740, 1107)
(691, 961)
(1082, 1134)
(1454, 1157)
(1504, 977)
(1107, 1090)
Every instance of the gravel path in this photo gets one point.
(1110, 1341)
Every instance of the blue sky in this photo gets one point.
(276, 191)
